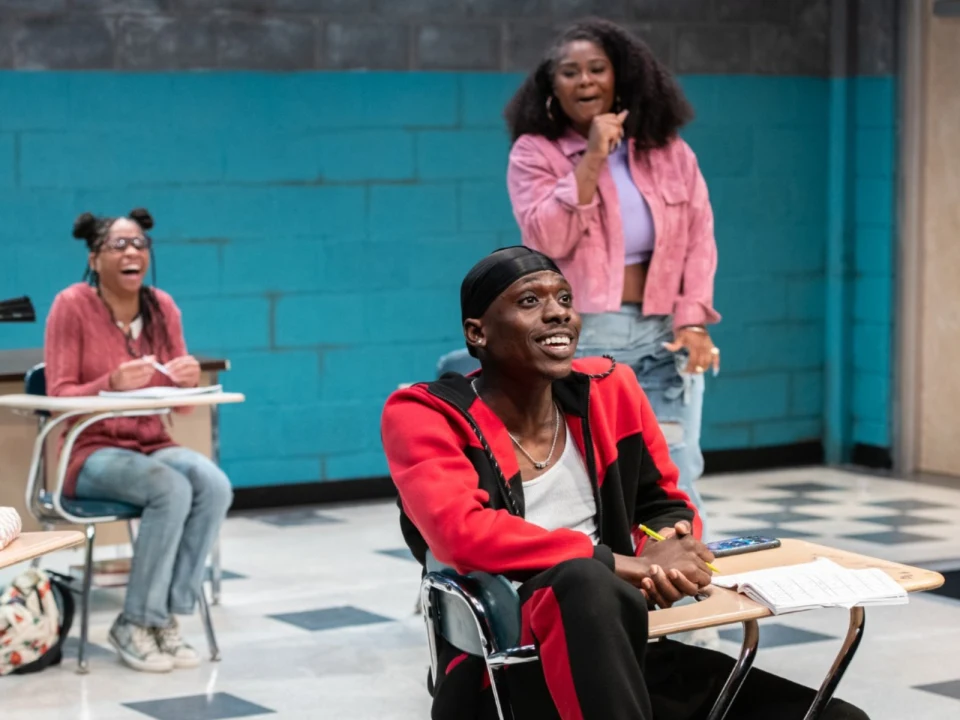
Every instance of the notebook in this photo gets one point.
(818, 584)
(161, 392)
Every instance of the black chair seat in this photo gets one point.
(457, 621)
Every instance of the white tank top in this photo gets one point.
(563, 497)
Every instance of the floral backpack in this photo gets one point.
(36, 613)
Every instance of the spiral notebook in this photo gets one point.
(818, 584)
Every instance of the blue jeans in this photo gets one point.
(185, 498)
(675, 396)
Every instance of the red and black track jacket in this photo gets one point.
(454, 501)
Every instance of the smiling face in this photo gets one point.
(531, 328)
(584, 83)
(121, 261)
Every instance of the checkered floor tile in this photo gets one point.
(905, 505)
(805, 487)
(950, 689)
(830, 505)
(774, 634)
(331, 618)
(794, 501)
(951, 584)
(769, 531)
(399, 553)
(296, 517)
(318, 620)
(218, 706)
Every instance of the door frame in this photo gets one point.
(911, 88)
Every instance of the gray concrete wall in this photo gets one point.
(783, 37)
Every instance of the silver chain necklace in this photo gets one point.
(556, 433)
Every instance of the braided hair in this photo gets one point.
(94, 230)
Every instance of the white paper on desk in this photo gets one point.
(817, 584)
(161, 392)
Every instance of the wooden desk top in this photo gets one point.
(724, 607)
(15, 363)
(105, 404)
(33, 544)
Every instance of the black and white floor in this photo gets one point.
(317, 614)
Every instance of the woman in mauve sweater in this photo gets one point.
(107, 334)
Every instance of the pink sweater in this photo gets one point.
(82, 347)
(586, 241)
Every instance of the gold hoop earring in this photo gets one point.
(549, 104)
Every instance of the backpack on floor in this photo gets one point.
(36, 613)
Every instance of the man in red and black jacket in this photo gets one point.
(543, 469)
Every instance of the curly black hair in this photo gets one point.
(644, 86)
(94, 230)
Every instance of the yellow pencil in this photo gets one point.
(660, 538)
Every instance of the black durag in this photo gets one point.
(495, 273)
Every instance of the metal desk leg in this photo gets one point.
(844, 657)
(208, 624)
(216, 570)
(501, 693)
(91, 534)
(748, 653)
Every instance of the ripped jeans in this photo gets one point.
(675, 396)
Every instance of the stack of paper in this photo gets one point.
(161, 392)
(818, 584)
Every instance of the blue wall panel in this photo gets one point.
(314, 228)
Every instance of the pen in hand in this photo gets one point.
(660, 538)
(161, 369)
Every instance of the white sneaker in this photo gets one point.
(137, 647)
(172, 644)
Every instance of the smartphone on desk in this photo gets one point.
(740, 545)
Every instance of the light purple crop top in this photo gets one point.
(638, 230)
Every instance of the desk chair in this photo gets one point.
(458, 361)
(479, 614)
(54, 507)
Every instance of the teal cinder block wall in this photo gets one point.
(874, 247)
(314, 228)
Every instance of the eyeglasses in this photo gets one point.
(120, 244)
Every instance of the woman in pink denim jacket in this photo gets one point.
(601, 182)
